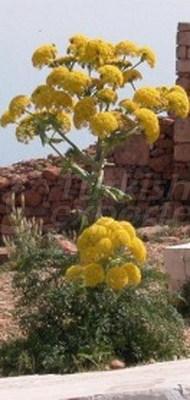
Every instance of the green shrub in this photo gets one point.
(69, 328)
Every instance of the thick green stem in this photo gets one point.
(94, 209)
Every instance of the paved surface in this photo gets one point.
(161, 381)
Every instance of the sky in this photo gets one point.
(27, 24)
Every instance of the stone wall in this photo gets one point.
(158, 178)
(144, 173)
(181, 171)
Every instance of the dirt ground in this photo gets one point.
(156, 238)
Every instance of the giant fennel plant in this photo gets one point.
(85, 312)
(90, 87)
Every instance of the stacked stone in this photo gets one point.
(183, 55)
(140, 171)
(147, 174)
(181, 176)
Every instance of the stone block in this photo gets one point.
(184, 26)
(182, 152)
(51, 173)
(134, 152)
(181, 191)
(182, 130)
(181, 52)
(177, 264)
(188, 52)
(159, 164)
(183, 66)
(4, 183)
(184, 82)
(183, 38)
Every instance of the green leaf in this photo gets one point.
(116, 194)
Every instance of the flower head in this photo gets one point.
(131, 75)
(84, 109)
(103, 124)
(111, 75)
(57, 76)
(18, 105)
(117, 278)
(133, 273)
(138, 250)
(126, 48)
(7, 118)
(76, 82)
(64, 121)
(147, 54)
(74, 273)
(129, 105)
(97, 52)
(107, 95)
(178, 101)
(93, 275)
(26, 130)
(44, 55)
(148, 97)
(148, 120)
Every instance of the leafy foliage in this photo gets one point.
(69, 328)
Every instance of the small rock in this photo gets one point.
(117, 364)
(65, 244)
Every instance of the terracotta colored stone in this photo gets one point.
(4, 183)
(117, 364)
(51, 173)
(181, 191)
(184, 26)
(184, 82)
(182, 130)
(188, 53)
(32, 198)
(183, 38)
(181, 52)
(66, 245)
(183, 65)
(159, 164)
(134, 152)
(182, 152)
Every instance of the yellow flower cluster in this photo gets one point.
(17, 108)
(126, 48)
(84, 109)
(148, 55)
(57, 76)
(95, 52)
(47, 97)
(7, 118)
(129, 105)
(148, 121)
(89, 95)
(44, 55)
(76, 82)
(111, 75)
(148, 97)
(103, 124)
(107, 95)
(26, 130)
(99, 248)
(178, 101)
(131, 75)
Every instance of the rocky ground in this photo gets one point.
(156, 238)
